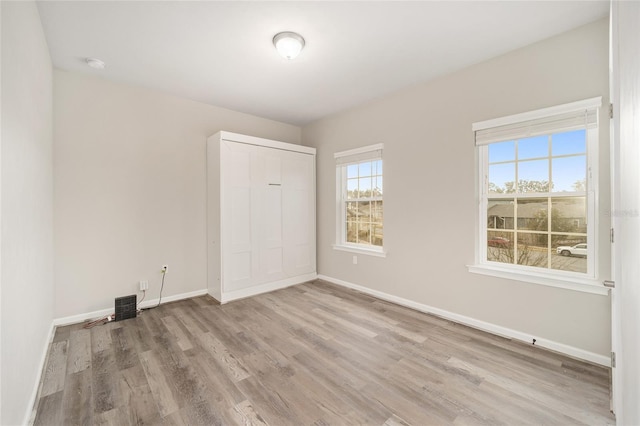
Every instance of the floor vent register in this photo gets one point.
(126, 307)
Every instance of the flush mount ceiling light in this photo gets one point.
(95, 63)
(288, 44)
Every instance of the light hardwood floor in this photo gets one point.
(310, 354)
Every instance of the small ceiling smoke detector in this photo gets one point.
(95, 63)
(288, 44)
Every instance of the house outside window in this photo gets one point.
(538, 192)
(359, 200)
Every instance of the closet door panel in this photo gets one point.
(298, 214)
(271, 250)
(239, 210)
(271, 244)
(240, 256)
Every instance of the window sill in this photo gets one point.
(359, 250)
(584, 285)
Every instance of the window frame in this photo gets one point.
(585, 282)
(368, 153)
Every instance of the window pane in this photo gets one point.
(364, 233)
(568, 253)
(365, 186)
(376, 234)
(569, 173)
(535, 147)
(364, 211)
(501, 178)
(352, 170)
(569, 214)
(503, 151)
(533, 176)
(500, 214)
(352, 232)
(377, 167)
(376, 215)
(365, 169)
(533, 249)
(573, 142)
(532, 214)
(352, 188)
(378, 187)
(500, 247)
(352, 211)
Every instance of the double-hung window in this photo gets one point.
(538, 192)
(359, 200)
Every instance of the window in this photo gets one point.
(359, 200)
(538, 191)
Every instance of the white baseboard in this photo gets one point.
(229, 296)
(475, 323)
(175, 297)
(29, 416)
(74, 319)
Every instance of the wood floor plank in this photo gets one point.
(139, 335)
(141, 407)
(49, 410)
(344, 323)
(138, 405)
(101, 338)
(79, 356)
(56, 369)
(105, 381)
(246, 415)
(232, 365)
(174, 328)
(275, 408)
(395, 421)
(198, 414)
(315, 354)
(222, 393)
(159, 384)
(123, 348)
(226, 330)
(189, 321)
(113, 417)
(77, 404)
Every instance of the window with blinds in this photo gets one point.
(538, 189)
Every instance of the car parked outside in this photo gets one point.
(577, 250)
(498, 242)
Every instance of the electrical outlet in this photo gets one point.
(144, 285)
(165, 268)
(355, 260)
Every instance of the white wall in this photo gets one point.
(129, 168)
(27, 213)
(430, 191)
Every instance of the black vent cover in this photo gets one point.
(126, 307)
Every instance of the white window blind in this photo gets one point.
(367, 153)
(573, 116)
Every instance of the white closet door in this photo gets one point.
(271, 221)
(269, 215)
(298, 213)
(241, 183)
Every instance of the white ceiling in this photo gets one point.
(221, 52)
